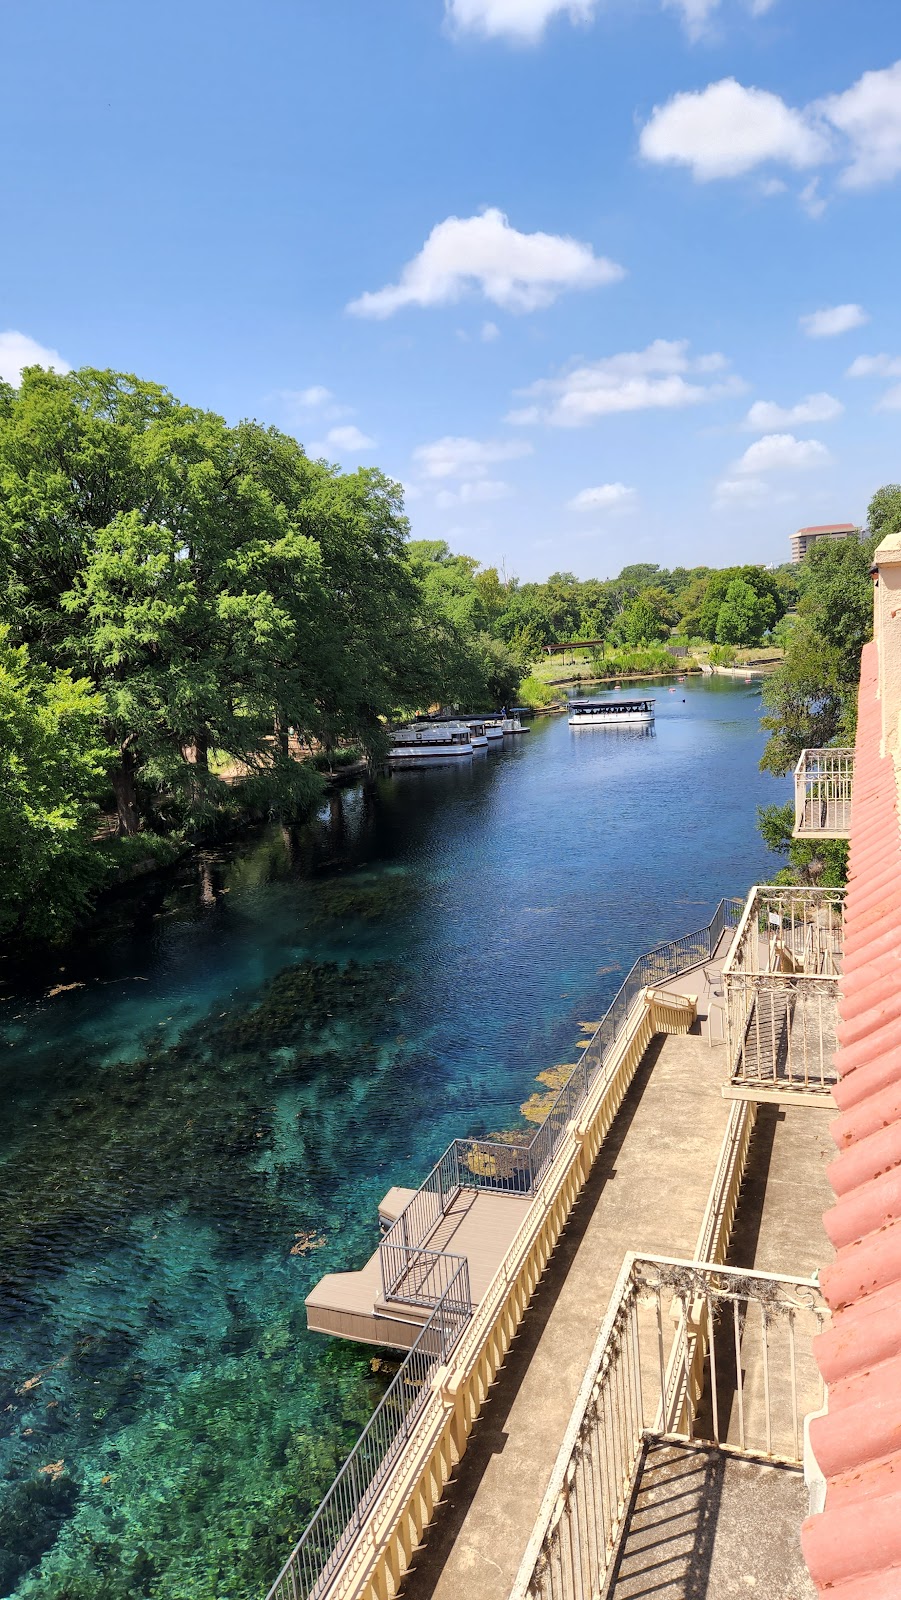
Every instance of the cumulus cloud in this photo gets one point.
(881, 366)
(604, 497)
(869, 115)
(891, 400)
(348, 440)
(781, 452)
(522, 20)
(474, 492)
(831, 320)
(519, 271)
(739, 492)
(454, 457)
(489, 332)
(726, 130)
(17, 351)
(663, 376)
(766, 414)
(303, 405)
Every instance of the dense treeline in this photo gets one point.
(176, 597)
(184, 602)
(643, 605)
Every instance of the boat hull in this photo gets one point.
(619, 720)
(414, 755)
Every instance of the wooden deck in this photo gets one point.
(478, 1225)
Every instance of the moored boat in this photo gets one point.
(430, 741)
(610, 713)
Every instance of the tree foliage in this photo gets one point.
(52, 759)
(811, 699)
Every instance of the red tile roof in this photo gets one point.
(830, 527)
(853, 1547)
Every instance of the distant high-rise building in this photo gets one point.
(805, 537)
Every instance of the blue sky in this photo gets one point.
(598, 280)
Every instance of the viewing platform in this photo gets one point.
(823, 784)
(479, 1225)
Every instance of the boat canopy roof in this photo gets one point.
(612, 705)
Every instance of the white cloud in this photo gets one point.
(739, 492)
(636, 380)
(348, 440)
(881, 366)
(765, 414)
(475, 492)
(17, 350)
(604, 497)
(891, 400)
(831, 320)
(453, 457)
(490, 332)
(781, 452)
(523, 20)
(519, 271)
(726, 130)
(811, 200)
(869, 114)
(302, 404)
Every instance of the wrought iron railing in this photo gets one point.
(690, 1353)
(318, 1552)
(823, 783)
(519, 1167)
(781, 991)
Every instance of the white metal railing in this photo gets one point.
(518, 1168)
(823, 782)
(340, 1516)
(688, 1352)
(780, 982)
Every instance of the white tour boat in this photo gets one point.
(610, 713)
(429, 741)
(477, 735)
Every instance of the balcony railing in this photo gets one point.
(690, 1353)
(337, 1522)
(518, 1168)
(823, 781)
(781, 990)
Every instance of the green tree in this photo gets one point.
(822, 862)
(811, 698)
(884, 511)
(646, 619)
(740, 617)
(52, 760)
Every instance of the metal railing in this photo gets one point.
(781, 990)
(823, 783)
(518, 1168)
(690, 1353)
(316, 1555)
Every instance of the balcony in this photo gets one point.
(686, 1440)
(780, 983)
(823, 780)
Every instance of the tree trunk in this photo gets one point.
(122, 778)
(280, 728)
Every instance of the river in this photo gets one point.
(239, 1061)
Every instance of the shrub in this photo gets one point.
(535, 694)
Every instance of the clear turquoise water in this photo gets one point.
(257, 1049)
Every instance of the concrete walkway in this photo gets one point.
(779, 1222)
(647, 1192)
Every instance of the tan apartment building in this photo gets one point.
(805, 537)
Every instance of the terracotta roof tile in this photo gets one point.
(853, 1547)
